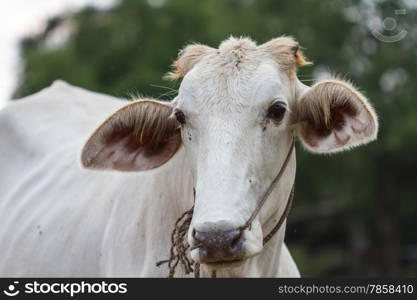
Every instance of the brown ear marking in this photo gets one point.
(334, 116)
(140, 136)
(317, 125)
(286, 51)
(300, 59)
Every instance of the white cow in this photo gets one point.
(226, 136)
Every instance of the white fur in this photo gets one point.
(58, 219)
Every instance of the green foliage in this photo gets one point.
(355, 213)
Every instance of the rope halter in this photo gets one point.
(179, 244)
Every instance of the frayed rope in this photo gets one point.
(179, 247)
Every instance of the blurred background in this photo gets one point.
(355, 213)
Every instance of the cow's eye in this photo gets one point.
(179, 115)
(277, 111)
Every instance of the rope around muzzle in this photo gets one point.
(179, 244)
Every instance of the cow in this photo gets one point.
(92, 185)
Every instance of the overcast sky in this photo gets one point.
(19, 18)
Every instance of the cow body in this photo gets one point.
(58, 219)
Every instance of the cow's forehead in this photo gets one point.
(239, 73)
(251, 85)
(202, 85)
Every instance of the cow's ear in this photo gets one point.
(140, 136)
(333, 116)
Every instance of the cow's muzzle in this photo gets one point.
(218, 242)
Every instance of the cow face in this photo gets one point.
(237, 110)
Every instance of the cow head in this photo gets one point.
(236, 112)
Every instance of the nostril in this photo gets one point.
(197, 237)
(236, 240)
